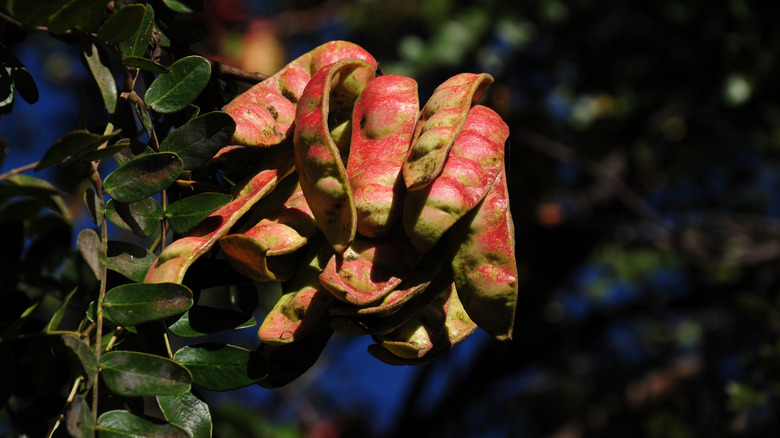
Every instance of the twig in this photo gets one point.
(230, 72)
(19, 170)
(625, 194)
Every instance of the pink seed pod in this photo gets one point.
(473, 163)
(369, 269)
(394, 349)
(383, 122)
(484, 264)
(317, 157)
(173, 261)
(264, 114)
(254, 253)
(302, 307)
(440, 123)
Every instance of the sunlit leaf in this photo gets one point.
(122, 24)
(91, 249)
(200, 138)
(34, 13)
(145, 64)
(203, 320)
(71, 144)
(141, 217)
(137, 43)
(137, 303)
(103, 77)
(173, 91)
(134, 374)
(188, 212)
(220, 367)
(129, 259)
(143, 177)
(125, 424)
(188, 412)
(82, 354)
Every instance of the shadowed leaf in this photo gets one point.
(136, 374)
(143, 177)
(119, 424)
(188, 212)
(136, 303)
(220, 367)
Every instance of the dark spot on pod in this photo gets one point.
(363, 122)
(289, 96)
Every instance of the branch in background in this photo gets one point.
(601, 173)
(230, 72)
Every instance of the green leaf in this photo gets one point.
(143, 116)
(137, 43)
(141, 217)
(143, 177)
(34, 13)
(129, 259)
(220, 367)
(122, 24)
(94, 205)
(132, 149)
(102, 75)
(125, 424)
(184, 6)
(6, 89)
(184, 214)
(72, 144)
(100, 154)
(136, 303)
(91, 249)
(19, 77)
(135, 374)
(55, 320)
(188, 412)
(172, 92)
(145, 64)
(204, 320)
(83, 355)
(78, 420)
(79, 14)
(200, 139)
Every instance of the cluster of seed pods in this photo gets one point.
(389, 219)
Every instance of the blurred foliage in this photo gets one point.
(643, 168)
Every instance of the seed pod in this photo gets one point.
(173, 261)
(383, 124)
(255, 252)
(302, 307)
(264, 114)
(440, 123)
(484, 264)
(369, 269)
(457, 327)
(473, 163)
(318, 160)
(396, 308)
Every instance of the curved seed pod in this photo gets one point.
(369, 269)
(457, 327)
(413, 285)
(320, 169)
(303, 306)
(253, 252)
(441, 121)
(174, 260)
(473, 163)
(264, 114)
(389, 316)
(415, 337)
(484, 264)
(383, 122)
